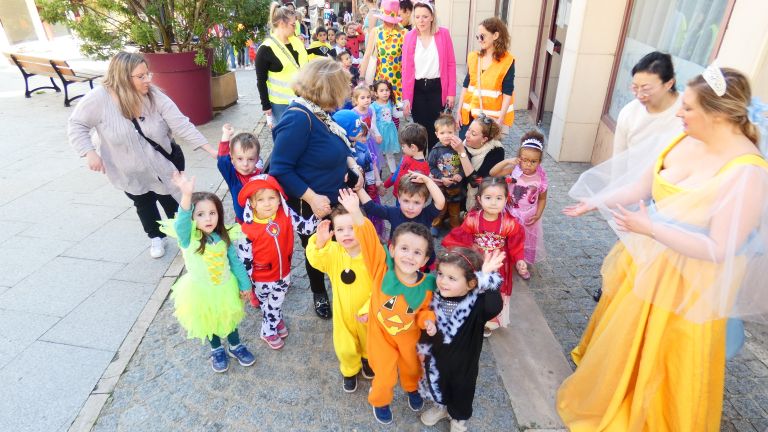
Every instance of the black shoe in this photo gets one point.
(322, 306)
(350, 384)
(367, 372)
(597, 294)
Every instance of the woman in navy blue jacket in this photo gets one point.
(312, 156)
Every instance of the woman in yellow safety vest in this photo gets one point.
(489, 85)
(277, 61)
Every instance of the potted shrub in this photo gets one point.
(173, 34)
(223, 81)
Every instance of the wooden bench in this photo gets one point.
(31, 66)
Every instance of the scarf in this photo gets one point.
(326, 119)
(477, 156)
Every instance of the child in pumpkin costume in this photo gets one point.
(399, 306)
(206, 297)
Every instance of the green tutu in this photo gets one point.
(206, 298)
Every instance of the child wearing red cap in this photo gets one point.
(269, 229)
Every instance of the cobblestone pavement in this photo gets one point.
(169, 385)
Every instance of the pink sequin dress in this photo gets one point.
(524, 192)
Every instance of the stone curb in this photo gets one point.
(89, 413)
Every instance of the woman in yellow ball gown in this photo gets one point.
(652, 357)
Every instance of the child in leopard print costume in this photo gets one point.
(467, 296)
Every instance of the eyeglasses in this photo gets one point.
(480, 37)
(644, 90)
(143, 77)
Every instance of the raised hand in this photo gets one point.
(227, 131)
(184, 183)
(323, 233)
(418, 177)
(492, 261)
(349, 200)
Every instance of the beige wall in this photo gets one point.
(453, 15)
(744, 47)
(588, 54)
(523, 26)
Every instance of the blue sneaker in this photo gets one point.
(241, 353)
(219, 360)
(415, 402)
(383, 414)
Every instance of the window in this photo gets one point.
(502, 10)
(687, 29)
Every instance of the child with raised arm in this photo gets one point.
(399, 306)
(207, 299)
(414, 190)
(466, 297)
(342, 261)
(238, 161)
(527, 192)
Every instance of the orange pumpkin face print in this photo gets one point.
(396, 316)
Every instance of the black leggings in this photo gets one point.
(146, 208)
(315, 276)
(427, 104)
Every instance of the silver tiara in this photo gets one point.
(533, 143)
(714, 77)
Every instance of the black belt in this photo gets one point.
(427, 81)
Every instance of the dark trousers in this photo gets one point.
(146, 208)
(427, 105)
(315, 276)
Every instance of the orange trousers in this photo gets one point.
(387, 354)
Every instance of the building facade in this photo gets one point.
(573, 57)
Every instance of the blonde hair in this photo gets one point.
(119, 81)
(323, 81)
(732, 105)
(278, 14)
(427, 6)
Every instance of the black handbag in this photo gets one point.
(176, 156)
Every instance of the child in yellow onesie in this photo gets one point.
(399, 306)
(343, 262)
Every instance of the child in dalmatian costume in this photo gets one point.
(467, 296)
(268, 224)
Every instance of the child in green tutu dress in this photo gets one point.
(209, 297)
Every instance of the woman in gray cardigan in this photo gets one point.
(116, 148)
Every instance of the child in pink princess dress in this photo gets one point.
(527, 193)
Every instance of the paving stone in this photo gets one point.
(57, 377)
(63, 283)
(19, 330)
(117, 241)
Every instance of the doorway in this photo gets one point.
(553, 26)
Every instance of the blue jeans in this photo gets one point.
(277, 112)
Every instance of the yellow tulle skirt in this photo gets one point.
(205, 309)
(641, 367)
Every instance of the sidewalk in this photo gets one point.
(75, 267)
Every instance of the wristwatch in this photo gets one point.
(463, 154)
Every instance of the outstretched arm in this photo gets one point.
(351, 203)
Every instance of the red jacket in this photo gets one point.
(468, 234)
(272, 245)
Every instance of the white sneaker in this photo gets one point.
(157, 248)
(458, 425)
(434, 414)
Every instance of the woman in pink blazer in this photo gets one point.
(429, 69)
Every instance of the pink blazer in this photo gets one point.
(446, 57)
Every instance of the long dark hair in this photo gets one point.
(220, 229)
(376, 85)
(468, 260)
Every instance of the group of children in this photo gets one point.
(399, 308)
